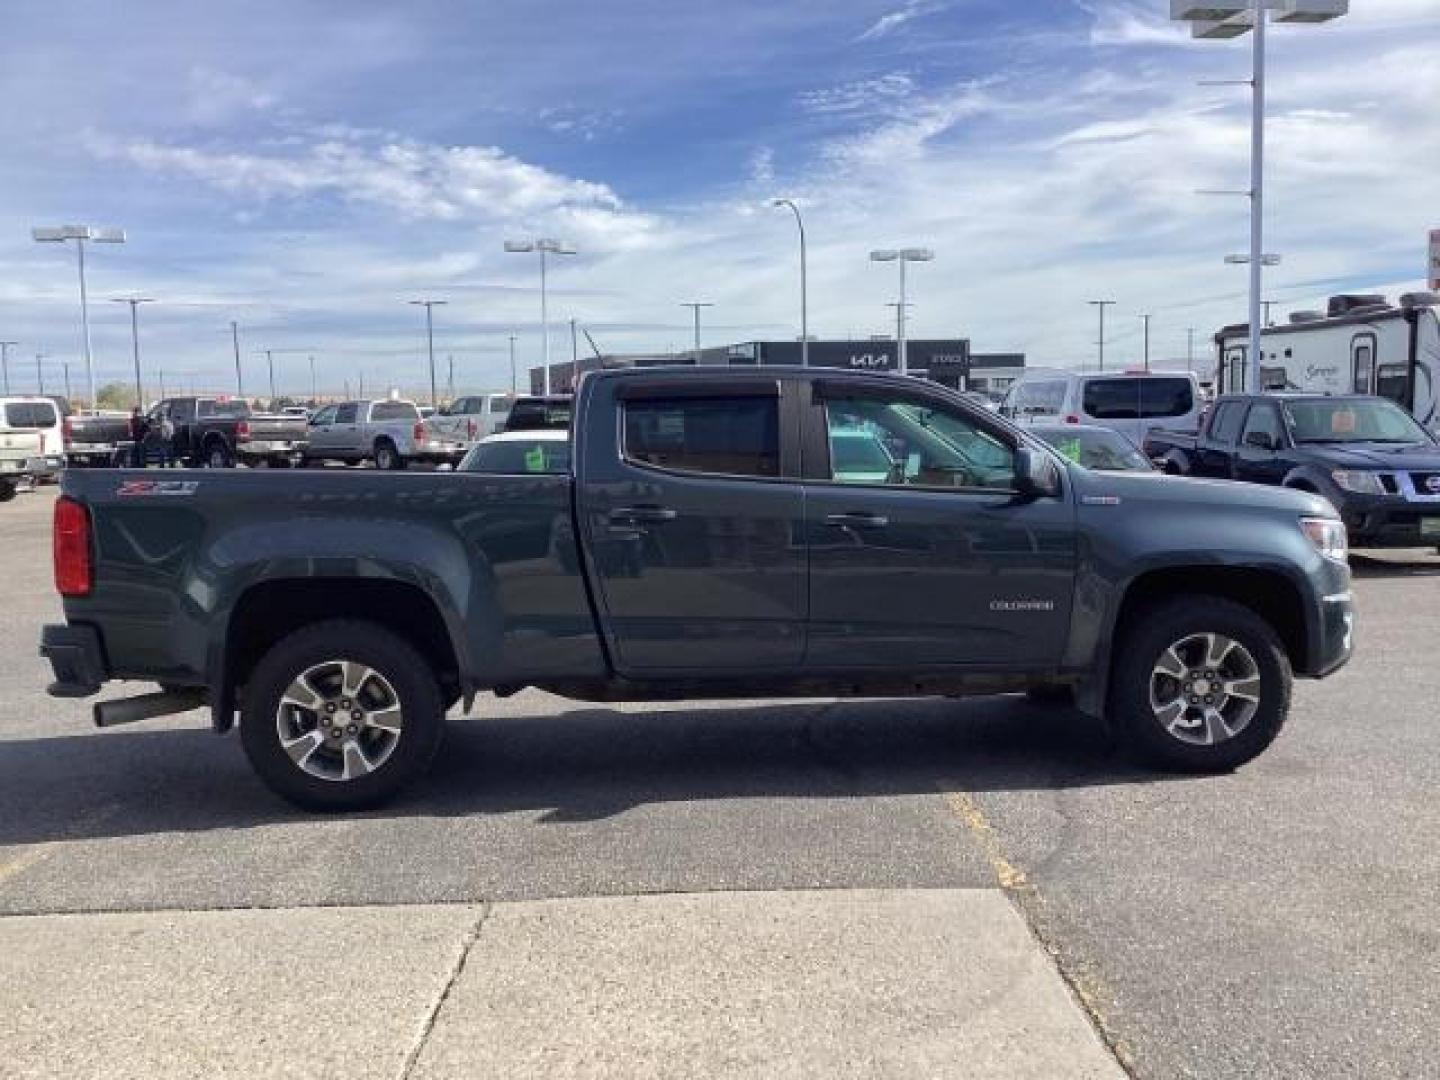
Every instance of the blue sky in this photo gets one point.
(306, 167)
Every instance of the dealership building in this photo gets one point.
(946, 361)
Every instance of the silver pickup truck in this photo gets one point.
(389, 432)
(22, 454)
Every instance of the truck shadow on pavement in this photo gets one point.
(584, 764)
(1394, 564)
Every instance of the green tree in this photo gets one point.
(115, 396)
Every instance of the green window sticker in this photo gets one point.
(1070, 448)
(535, 459)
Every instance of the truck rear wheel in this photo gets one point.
(341, 715)
(387, 457)
(217, 455)
(1200, 685)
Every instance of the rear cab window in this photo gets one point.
(230, 409)
(31, 414)
(394, 410)
(1137, 398)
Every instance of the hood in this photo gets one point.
(1367, 455)
(1157, 489)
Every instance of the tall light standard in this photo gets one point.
(429, 306)
(235, 341)
(40, 372)
(270, 367)
(135, 302)
(314, 397)
(804, 314)
(5, 362)
(1144, 317)
(1221, 19)
(902, 256)
(1101, 305)
(544, 247)
(695, 306)
(513, 390)
(81, 233)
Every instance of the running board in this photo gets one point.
(147, 706)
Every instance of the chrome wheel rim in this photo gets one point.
(1205, 689)
(339, 720)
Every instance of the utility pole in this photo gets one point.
(450, 377)
(1101, 305)
(5, 362)
(513, 389)
(235, 340)
(314, 397)
(1267, 305)
(574, 353)
(135, 302)
(1189, 348)
(695, 306)
(65, 366)
(429, 305)
(162, 384)
(270, 365)
(40, 374)
(1145, 318)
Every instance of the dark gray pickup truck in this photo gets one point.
(711, 540)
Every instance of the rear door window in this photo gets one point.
(346, 413)
(731, 436)
(230, 409)
(31, 414)
(1137, 399)
(1226, 424)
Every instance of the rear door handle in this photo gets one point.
(631, 515)
(857, 521)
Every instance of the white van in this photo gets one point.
(1130, 402)
(43, 415)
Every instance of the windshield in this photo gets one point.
(1346, 420)
(1138, 398)
(519, 456)
(1099, 449)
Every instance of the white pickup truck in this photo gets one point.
(389, 432)
(22, 455)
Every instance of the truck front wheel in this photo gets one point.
(1200, 685)
(341, 715)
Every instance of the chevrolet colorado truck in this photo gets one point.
(1365, 454)
(701, 544)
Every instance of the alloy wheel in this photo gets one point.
(339, 720)
(1205, 689)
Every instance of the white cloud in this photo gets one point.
(861, 98)
(889, 23)
(217, 96)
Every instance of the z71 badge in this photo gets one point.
(158, 487)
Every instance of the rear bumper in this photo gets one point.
(77, 659)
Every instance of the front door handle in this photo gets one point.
(857, 521)
(632, 515)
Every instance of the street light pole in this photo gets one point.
(695, 306)
(543, 247)
(429, 305)
(804, 288)
(81, 233)
(513, 389)
(902, 256)
(39, 373)
(1101, 305)
(135, 302)
(314, 397)
(5, 363)
(235, 341)
(1145, 318)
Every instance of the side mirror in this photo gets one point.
(1260, 440)
(1035, 474)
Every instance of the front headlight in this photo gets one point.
(1328, 536)
(1362, 483)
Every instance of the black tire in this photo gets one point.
(7, 492)
(1141, 647)
(395, 660)
(387, 457)
(217, 455)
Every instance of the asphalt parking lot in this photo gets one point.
(1279, 922)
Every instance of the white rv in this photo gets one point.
(1358, 345)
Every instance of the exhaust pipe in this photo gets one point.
(147, 706)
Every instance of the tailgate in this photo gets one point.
(278, 429)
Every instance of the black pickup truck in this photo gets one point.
(217, 433)
(705, 543)
(1365, 454)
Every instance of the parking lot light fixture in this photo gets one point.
(59, 234)
(695, 306)
(543, 246)
(1221, 19)
(804, 287)
(5, 362)
(902, 256)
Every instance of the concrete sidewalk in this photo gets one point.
(903, 983)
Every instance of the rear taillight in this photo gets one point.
(470, 428)
(73, 573)
(418, 432)
(67, 430)
(1072, 419)
(242, 430)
